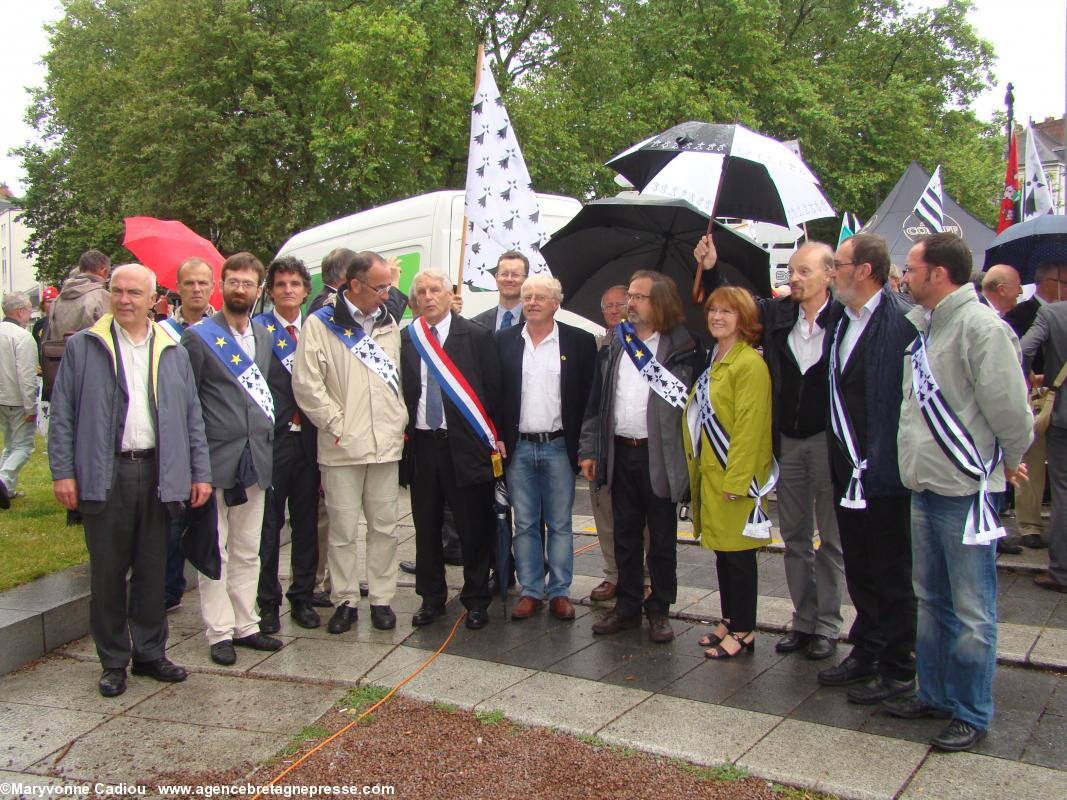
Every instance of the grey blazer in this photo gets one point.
(1049, 334)
(231, 417)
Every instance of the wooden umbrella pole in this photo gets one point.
(463, 235)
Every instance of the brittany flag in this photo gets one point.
(928, 209)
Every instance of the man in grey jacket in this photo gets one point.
(83, 298)
(126, 442)
(18, 392)
(963, 413)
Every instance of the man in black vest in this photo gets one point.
(867, 346)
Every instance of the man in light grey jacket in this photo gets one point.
(965, 424)
(18, 392)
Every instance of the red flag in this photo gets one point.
(1011, 188)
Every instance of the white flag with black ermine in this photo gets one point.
(930, 206)
(501, 207)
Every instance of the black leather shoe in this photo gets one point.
(162, 669)
(5, 503)
(364, 589)
(957, 735)
(321, 600)
(426, 615)
(613, 623)
(223, 653)
(112, 682)
(849, 671)
(912, 707)
(659, 628)
(342, 618)
(878, 689)
(1009, 545)
(820, 647)
(304, 615)
(792, 641)
(382, 618)
(477, 619)
(408, 567)
(268, 619)
(259, 641)
(1034, 541)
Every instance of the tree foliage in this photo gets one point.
(252, 119)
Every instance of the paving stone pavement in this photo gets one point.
(764, 711)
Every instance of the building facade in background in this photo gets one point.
(18, 272)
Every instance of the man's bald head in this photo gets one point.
(136, 272)
(1002, 286)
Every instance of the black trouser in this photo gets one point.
(128, 533)
(737, 588)
(433, 484)
(296, 481)
(876, 545)
(634, 505)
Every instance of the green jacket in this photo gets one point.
(740, 389)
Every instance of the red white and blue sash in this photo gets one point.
(362, 346)
(659, 379)
(455, 387)
(281, 343)
(173, 329)
(237, 362)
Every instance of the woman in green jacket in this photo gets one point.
(731, 466)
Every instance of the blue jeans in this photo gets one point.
(956, 586)
(541, 482)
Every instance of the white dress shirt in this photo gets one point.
(281, 321)
(631, 396)
(366, 321)
(139, 432)
(247, 340)
(516, 314)
(420, 413)
(540, 406)
(806, 338)
(857, 324)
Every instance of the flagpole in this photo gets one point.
(463, 235)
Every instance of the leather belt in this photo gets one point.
(540, 438)
(438, 433)
(627, 441)
(138, 455)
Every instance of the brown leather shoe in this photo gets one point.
(526, 608)
(659, 628)
(613, 623)
(1046, 581)
(605, 591)
(561, 608)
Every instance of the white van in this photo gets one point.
(420, 232)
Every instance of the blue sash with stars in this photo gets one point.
(363, 347)
(659, 379)
(237, 363)
(281, 343)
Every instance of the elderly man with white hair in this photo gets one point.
(18, 392)
(547, 370)
(126, 446)
(451, 385)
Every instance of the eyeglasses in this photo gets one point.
(839, 264)
(637, 297)
(537, 298)
(510, 276)
(384, 289)
(233, 283)
(613, 306)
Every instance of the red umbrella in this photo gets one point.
(163, 244)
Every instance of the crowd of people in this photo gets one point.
(892, 428)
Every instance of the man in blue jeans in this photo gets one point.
(547, 372)
(964, 426)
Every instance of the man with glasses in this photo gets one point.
(230, 356)
(346, 381)
(1050, 279)
(512, 268)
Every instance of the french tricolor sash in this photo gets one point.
(237, 363)
(659, 379)
(362, 347)
(456, 388)
(844, 432)
(983, 526)
(281, 343)
(173, 329)
(702, 414)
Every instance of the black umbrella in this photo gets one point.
(610, 239)
(725, 171)
(501, 507)
(1027, 244)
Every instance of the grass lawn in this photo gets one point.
(34, 537)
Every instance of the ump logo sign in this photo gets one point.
(915, 227)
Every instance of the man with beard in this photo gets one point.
(230, 356)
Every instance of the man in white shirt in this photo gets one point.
(18, 392)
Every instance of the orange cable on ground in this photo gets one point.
(589, 546)
(366, 713)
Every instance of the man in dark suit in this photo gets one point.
(230, 356)
(446, 458)
(867, 346)
(333, 276)
(296, 463)
(547, 370)
(512, 268)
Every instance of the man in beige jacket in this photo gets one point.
(346, 381)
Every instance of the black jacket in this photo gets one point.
(1021, 318)
(471, 348)
(577, 354)
(280, 382)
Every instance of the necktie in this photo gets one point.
(435, 412)
(296, 412)
(505, 323)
